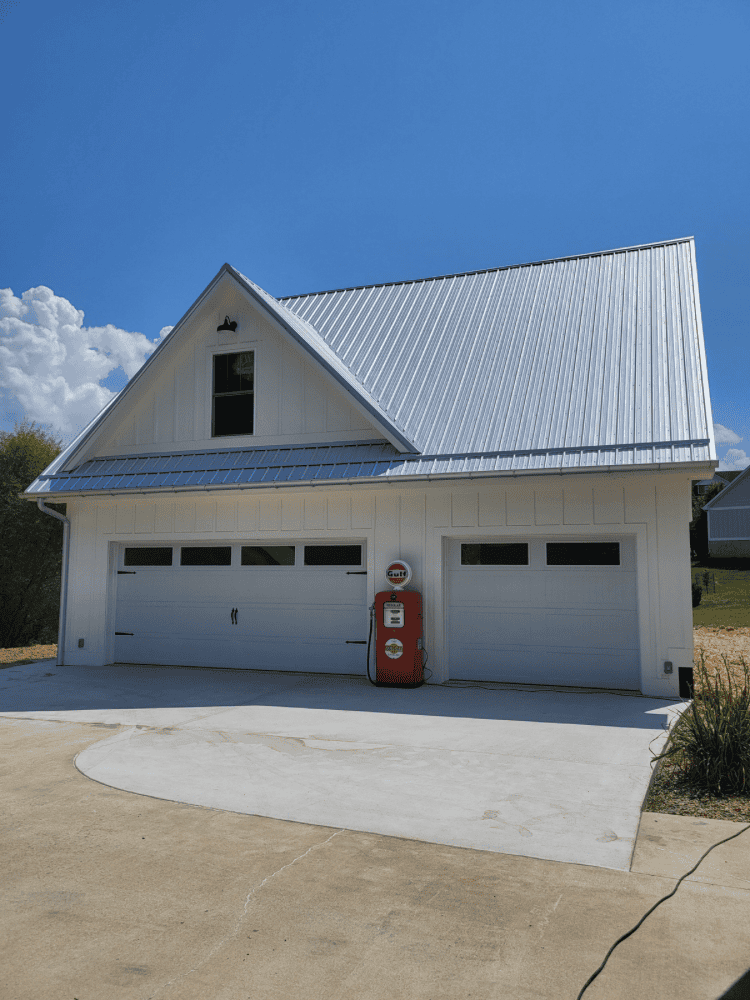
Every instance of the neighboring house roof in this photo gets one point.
(736, 494)
(595, 362)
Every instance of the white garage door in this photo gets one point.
(300, 606)
(544, 611)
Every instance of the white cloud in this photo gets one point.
(735, 458)
(52, 365)
(725, 436)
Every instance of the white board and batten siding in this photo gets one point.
(295, 403)
(425, 524)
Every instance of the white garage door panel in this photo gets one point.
(544, 625)
(551, 665)
(294, 618)
(262, 617)
(215, 650)
(472, 626)
(601, 590)
(494, 590)
(589, 628)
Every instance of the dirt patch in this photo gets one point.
(26, 654)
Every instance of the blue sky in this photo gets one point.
(323, 145)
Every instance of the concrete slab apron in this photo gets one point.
(558, 776)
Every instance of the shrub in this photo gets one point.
(697, 594)
(710, 742)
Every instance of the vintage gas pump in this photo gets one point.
(396, 621)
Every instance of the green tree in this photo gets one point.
(30, 541)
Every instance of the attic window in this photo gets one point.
(234, 394)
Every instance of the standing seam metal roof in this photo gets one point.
(582, 352)
(594, 361)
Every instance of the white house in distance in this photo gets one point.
(525, 437)
(729, 519)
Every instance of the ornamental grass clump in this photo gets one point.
(709, 745)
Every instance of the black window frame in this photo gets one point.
(315, 545)
(601, 545)
(255, 565)
(206, 548)
(487, 546)
(233, 394)
(127, 561)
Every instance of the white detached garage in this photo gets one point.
(524, 437)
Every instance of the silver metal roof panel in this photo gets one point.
(257, 467)
(592, 351)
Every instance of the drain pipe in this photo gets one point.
(63, 582)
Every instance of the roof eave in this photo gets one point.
(690, 469)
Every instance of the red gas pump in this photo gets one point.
(396, 620)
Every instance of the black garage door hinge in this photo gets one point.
(356, 642)
(356, 572)
(124, 633)
(126, 572)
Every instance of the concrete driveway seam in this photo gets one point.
(235, 931)
(625, 936)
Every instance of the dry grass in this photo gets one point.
(26, 654)
(667, 794)
(717, 642)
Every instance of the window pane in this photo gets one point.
(268, 555)
(333, 555)
(205, 555)
(489, 554)
(148, 557)
(234, 372)
(233, 415)
(583, 553)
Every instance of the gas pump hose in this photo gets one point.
(369, 643)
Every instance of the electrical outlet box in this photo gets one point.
(80, 643)
(667, 666)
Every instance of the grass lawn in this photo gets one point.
(730, 604)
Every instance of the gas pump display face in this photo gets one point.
(393, 614)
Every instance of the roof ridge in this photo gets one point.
(488, 270)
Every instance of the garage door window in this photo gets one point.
(333, 555)
(268, 555)
(583, 553)
(489, 554)
(206, 555)
(148, 556)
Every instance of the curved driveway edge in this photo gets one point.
(550, 775)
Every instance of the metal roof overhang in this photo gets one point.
(690, 469)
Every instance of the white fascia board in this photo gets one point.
(364, 403)
(88, 435)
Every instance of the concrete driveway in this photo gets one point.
(552, 775)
